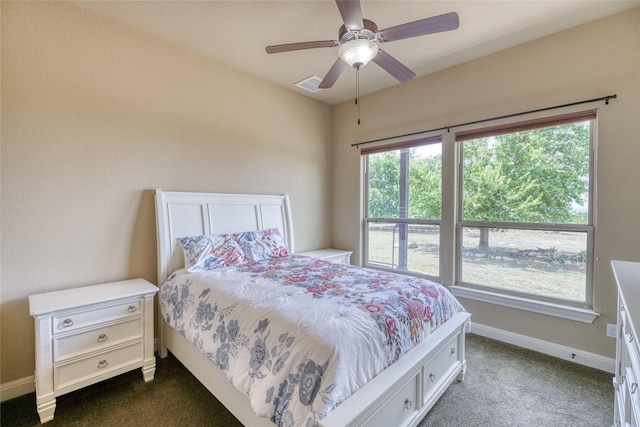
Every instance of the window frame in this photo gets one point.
(365, 152)
(451, 224)
(588, 228)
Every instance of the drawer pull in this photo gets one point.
(634, 388)
(102, 338)
(408, 403)
(102, 364)
(67, 322)
(132, 308)
(622, 379)
(453, 350)
(432, 377)
(631, 338)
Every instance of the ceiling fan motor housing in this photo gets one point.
(369, 32)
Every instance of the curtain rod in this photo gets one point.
(447, 128)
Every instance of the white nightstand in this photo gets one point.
(333, 255)
(88, 334)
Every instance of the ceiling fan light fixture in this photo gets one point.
(358, 52)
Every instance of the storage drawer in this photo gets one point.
(619, 411)
(633, 354)
(634, 415)
(71, 320)
(400, 409)
(67, 346)
(435, 370)
(632, 384)
(71, 373)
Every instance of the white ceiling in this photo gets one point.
(235, 33)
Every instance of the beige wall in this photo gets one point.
(94, 116)
(587, 62)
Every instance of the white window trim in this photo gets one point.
(565, 311)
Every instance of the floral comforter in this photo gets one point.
(299, 335)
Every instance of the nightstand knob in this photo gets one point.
(631, 338)
(67, 323)
(132, 308)
(102, 338)
(102, 364)
(432, 377)
(634, 388)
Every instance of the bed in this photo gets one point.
(358, 385)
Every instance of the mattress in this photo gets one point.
(299, 335)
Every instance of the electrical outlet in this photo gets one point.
(612, 330)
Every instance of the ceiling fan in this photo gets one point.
(358, 39)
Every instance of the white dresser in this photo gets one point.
(627, 376)
(88, 334)
(333, 255)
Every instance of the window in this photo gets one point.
(403, 208)
(515, 219)
(525, 225)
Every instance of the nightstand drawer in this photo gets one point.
(71, 320)
(340, 259)
(68, 346)
(333, 255)
(68, 374)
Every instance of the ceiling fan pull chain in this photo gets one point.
(358, 92)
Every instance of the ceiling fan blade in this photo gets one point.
(336, 69)
(435, 24)
(393, 66)
(303, 45)
(351, 14)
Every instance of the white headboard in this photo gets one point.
(181, 214)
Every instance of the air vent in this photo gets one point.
(310, 84)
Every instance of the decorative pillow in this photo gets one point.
(263, 244)
(209, 252)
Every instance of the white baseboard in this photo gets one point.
(17, 388)
(581, 357)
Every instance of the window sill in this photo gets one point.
(579, 314)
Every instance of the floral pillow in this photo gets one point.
(262, 244)
(210, 252)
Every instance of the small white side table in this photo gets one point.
(88, 334)
(333, 255)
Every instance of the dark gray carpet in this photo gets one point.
(504, 386)
(510, 386)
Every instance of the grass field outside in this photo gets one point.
(548, 263)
